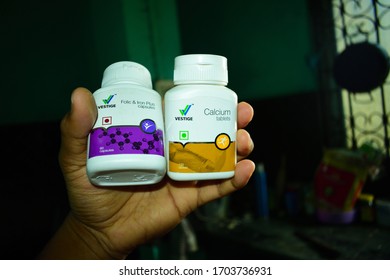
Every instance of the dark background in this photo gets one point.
(49, 48)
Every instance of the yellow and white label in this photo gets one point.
(201, 135)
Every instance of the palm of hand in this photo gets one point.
(125, 217)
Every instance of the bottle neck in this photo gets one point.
(200, 82)
(124, 83)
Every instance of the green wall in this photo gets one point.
(268, 43)
(46, 51)
(144, 31)
(50, 47)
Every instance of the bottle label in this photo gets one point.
(202, 135)
(117, 140)
(127, 124)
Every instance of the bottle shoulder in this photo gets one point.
(133, 89)
(188, 91)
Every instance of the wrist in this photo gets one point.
(91, 241)
(75, 240)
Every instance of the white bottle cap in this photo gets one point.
(200, 68)
(126, 72)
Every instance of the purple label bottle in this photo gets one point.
(126, 144)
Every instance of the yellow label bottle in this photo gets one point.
(200, 120)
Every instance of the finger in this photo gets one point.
(76, 125)
(245, 144)
(245, 114)
(243, 172)
(81, 118)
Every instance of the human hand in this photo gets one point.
(112, 221)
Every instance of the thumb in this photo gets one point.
(75, 127)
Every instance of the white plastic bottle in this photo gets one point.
(200, 115)
(126, 145)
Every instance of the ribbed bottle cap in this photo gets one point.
(200, 68)
(126, 72)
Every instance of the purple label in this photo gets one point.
(116, 140)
